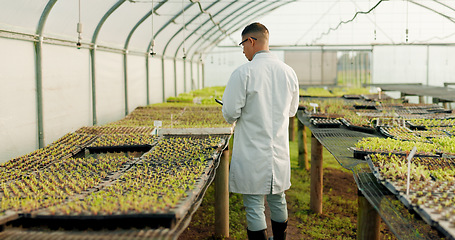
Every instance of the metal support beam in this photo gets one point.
(201, 25)
(186, 24)
(203, 74)
(240, 23)
(39, 71)
(125, 80)
(92, 54)
(184, 75)
(147, 78)
(126, 46)
(199, 75)
(192, 74)
(175, 77)
(163, 78)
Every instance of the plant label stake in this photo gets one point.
(157, 124)
(314, 105)
(379, 91)
(410, 156)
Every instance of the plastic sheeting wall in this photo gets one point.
(180, 77)
(399, 64)
(18, 124)
(156, 83)
(110, 96)
(428, 65)
(169, 74)
(66, 98)
(313, 67)
(137, 85)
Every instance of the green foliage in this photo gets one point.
(205, 96)
(333, 91)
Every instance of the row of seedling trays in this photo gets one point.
(104, 186)
(431, 190)
(444, 146)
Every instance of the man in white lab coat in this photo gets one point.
(260, 97)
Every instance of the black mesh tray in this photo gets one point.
(357, 128)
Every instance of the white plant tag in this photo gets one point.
(314, 105)
(157, 123)
(411, 155)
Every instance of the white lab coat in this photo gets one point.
(261, 95)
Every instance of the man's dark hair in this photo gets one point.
(255, 28)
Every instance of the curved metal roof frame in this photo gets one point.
(237, 27)
(245, 6)
(238, 24)
(38, 70)
(188, 23)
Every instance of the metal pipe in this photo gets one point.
(159, 31)
(184, 75)
(198, 74)
(125, 80)
(126, 46)
(192, 74)
(147, 77)
(201, 25)
(175, 77)
(39, 72)
(162, 78)
(240, 24)
(92, 54)
(428, 65)
(189, 22)
(203, 74)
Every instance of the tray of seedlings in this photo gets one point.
(357, 123)
(422, 124)
(106, 130)
(449, 130)
(67, 146)
(352, 96)
(402, 133)
(146, 116)
(325, 122)
(432, 133)
(387, 146)
(446, 145)
(56, 183)
(366, 105)
(155, 191)
(432, 186)
(138, 142)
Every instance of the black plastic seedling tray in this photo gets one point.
(358, 128)
(123, 148)
(361, 154)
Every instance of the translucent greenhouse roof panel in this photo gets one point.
(21, 15)
(65, 16)
(120, 23)
(305, 23)
(238, 18)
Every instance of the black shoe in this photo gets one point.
(257, 235)
(279, 230)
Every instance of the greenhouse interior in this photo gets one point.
(110, 128)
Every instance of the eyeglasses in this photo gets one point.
(241, 43)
